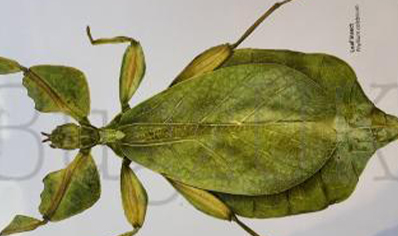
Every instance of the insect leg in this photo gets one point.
(114, 40)
(22, 223)
(258, 22)
(214, 57)
(132, 69)
(244, 226)
(209, 204)
(9, 66)
(134, 198)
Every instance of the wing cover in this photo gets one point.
(250, 129)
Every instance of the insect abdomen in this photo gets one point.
(333, 184)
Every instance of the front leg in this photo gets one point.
(66, 193)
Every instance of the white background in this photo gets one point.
(172, 32)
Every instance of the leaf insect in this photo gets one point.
(240, 132)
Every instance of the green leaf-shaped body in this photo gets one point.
(361, 130)
(218, 132)
(273, 133)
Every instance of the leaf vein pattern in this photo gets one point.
(227, 95)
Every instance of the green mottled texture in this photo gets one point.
(21, 224)
(361, 130)
(134, 196)
(71, 136)
(272, 133)
(207, 61)
(72, 190)
(240, 130)
(132, 72)
(204, 201)
(59, 89)
(269, 134)
(8, 66)
(249, 132)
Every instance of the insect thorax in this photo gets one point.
(110, 135)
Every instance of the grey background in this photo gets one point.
(172, 32)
